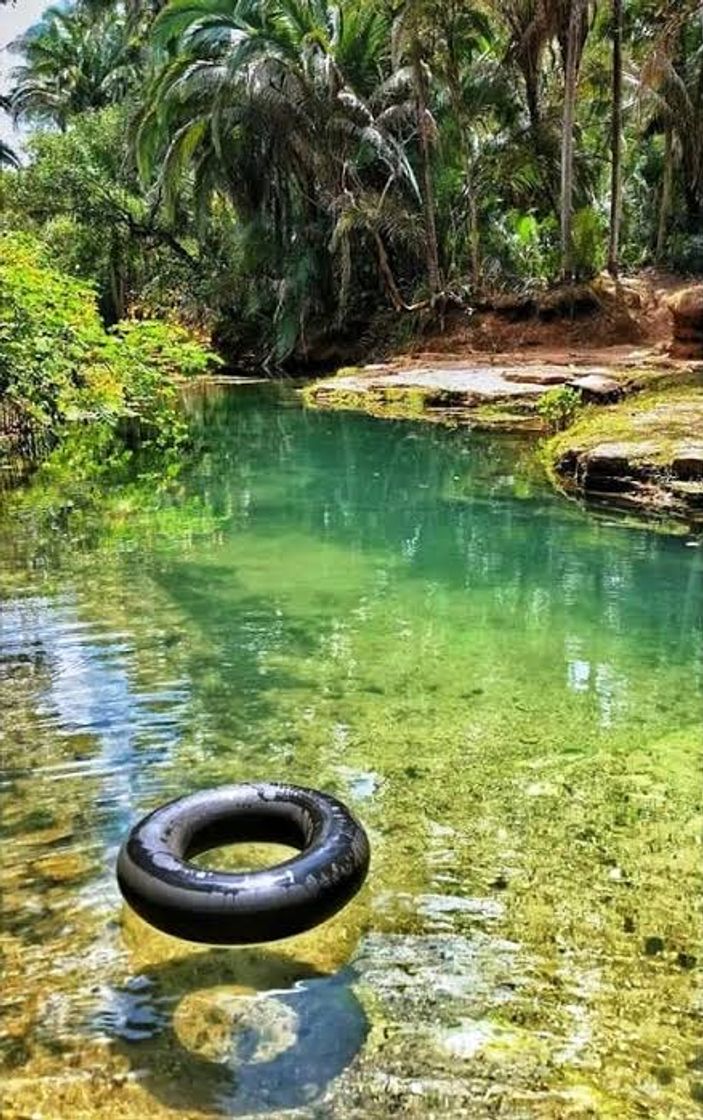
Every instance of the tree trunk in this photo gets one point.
(616, 181)
(534, 111)
(386, 273)
(423, 130)
(473, 228)
(570, 106)
(474, 234)
(667, 193)
(567, 142)
(116, 300)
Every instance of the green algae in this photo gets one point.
(507, 692)
(384, 403)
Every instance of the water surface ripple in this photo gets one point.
(507, 690)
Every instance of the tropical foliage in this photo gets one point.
(302, 175)
(59, 365)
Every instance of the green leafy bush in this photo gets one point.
(58, 363)
(558, 407)
(589, 239)
(524, 248)
(686, 253)
(53, 360)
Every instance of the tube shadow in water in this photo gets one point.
(279, 1038)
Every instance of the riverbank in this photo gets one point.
(623, 420)
(646, 453)
(633, 433)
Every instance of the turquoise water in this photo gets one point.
(505, 688)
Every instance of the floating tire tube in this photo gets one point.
(224, 908)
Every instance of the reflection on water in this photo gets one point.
(507, 691)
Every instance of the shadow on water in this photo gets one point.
(236, 1031)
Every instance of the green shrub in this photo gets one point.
(58, 364)
(522, 250)
(685, 253)
(558, 407)
(589, 241)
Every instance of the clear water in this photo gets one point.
(505, 688)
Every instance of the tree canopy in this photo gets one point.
(299, 172)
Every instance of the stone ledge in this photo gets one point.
(480, 395)
(646, 454)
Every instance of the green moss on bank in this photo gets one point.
(666, 418)
(645, 452)
(391, 404)
(413, 403)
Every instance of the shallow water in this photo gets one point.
(505, 688)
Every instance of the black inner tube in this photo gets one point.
(223, 908)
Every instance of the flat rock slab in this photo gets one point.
(683, 461)
(623, 454)
(440, 1051)
(687, 461)
(536, 375)
(597, 386)
(477, 383)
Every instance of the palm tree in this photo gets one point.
(466, 67)
(8, 158)
(74, 60)
(571, 16)
(567, 22)
(411, 29)
(533, 25)
(274, 107)
(616, 142)
(671, 86)
(528, 35)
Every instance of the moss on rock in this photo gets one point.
(645, 452)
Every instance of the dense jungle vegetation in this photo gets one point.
(295, 177)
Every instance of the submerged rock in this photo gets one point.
(435, 1048)
(454, 1036)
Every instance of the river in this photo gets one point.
(505, 688)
